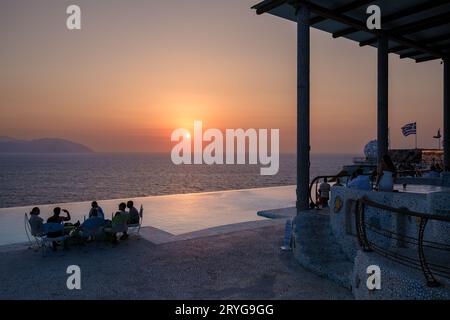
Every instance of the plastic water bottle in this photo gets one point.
(287, 236)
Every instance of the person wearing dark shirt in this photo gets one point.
(91, 227)
(57, 218)
(133, 212)
(95, 208)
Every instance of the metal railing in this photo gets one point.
(412, 173)
(420, 262)
(314, 185)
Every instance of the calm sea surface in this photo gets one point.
(27, 179)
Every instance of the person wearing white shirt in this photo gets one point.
(324, 193)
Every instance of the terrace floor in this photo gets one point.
(240, 262)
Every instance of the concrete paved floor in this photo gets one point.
(244, 264)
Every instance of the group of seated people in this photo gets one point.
(95, 221)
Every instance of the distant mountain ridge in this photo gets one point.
(6, 139)
(46, 145)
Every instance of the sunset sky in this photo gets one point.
(139, 69)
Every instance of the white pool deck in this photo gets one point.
(175, 217)
(172, 215)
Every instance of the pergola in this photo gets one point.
(416, 29)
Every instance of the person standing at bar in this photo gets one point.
(386, 174)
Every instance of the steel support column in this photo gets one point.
(303, 114)
(383, 96)
(447, 114)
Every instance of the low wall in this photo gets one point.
(397, 281)
(400, 282)
(342, 217)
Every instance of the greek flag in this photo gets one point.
(409, 129)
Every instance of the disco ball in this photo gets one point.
(370, 150)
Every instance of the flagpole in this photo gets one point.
(416, 140)
(409, 129)
(416, 134)
(389, 138)
(439, 140)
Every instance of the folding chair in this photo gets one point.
(118, 224)
(92, 227)
(47, 241)
(34, 240)
(136, 227)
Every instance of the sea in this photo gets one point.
(37, 179)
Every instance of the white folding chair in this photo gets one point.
(136, 228)
(47, 241)
(34, 240)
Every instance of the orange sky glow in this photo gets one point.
(140, 69)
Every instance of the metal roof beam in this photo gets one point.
(351, 22)
(398, 48)
(398, 15)
(411, 54)
(413, 45)
(343, 9)
(344, 32)
(424, 24)
(267, 6)
(416, 26)
(427, 58)
(418, 52)
(421, 7)
(436, 39)
(329, 14)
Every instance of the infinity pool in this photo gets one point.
(176, 214)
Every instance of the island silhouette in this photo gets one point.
(45, 145)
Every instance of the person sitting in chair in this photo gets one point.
(133, 212)
(56, 218)
(68, 227)
(119, 223)
(36, 222)
(90, 228)
(97, 209)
